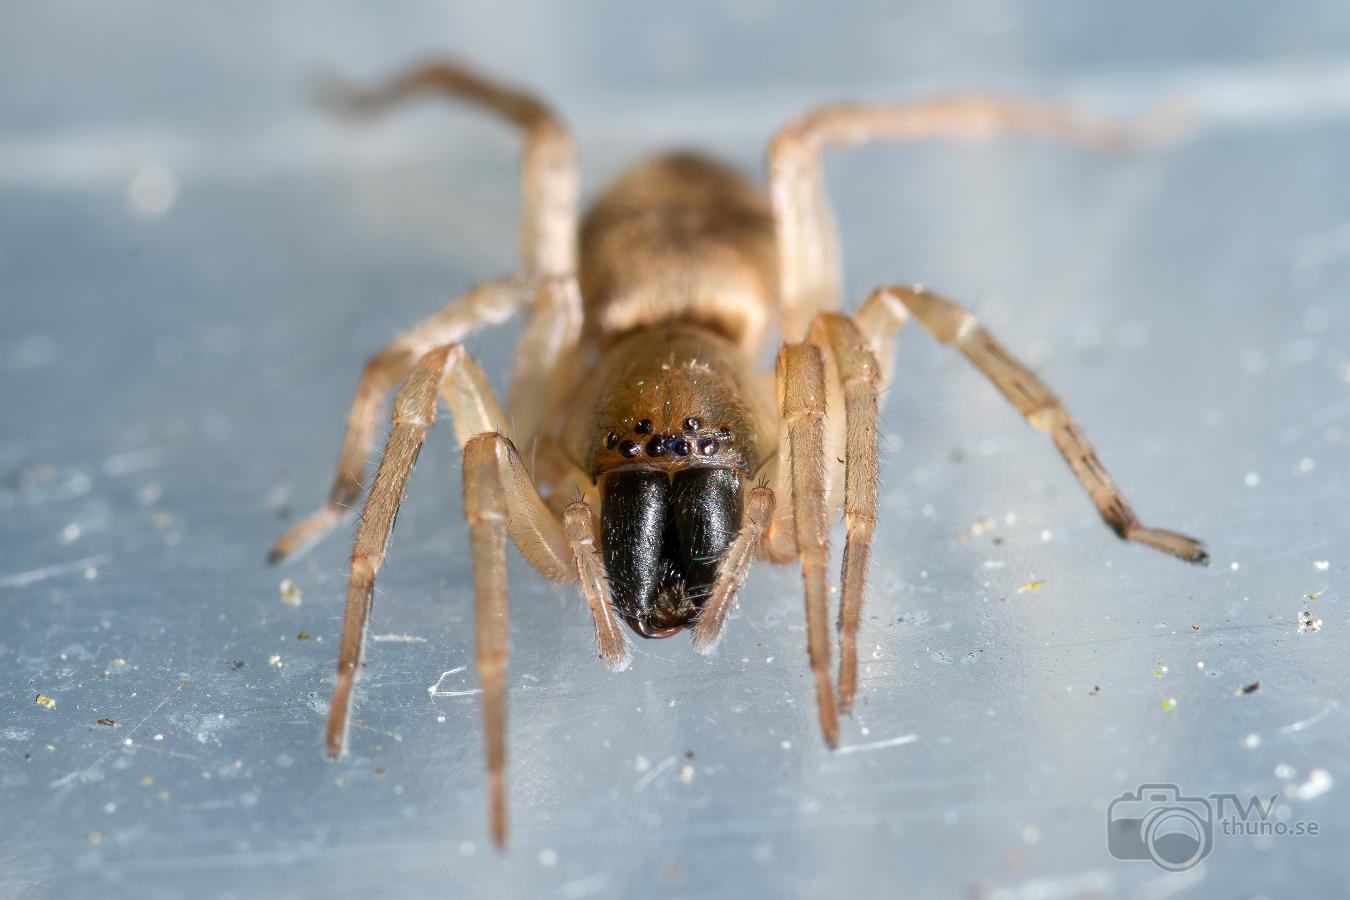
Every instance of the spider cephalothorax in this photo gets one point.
(636, 392)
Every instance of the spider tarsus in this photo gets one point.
(618, 663)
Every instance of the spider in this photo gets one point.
(635, 391)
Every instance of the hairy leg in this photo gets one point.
(808, 251)
(549, 179)
(951, 324)
(801, 397)
(500, 499)
(487, 304)
(735, 566)
(579, 522)
(859, 378)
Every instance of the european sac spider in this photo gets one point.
(635, 390)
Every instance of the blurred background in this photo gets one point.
(195, 263)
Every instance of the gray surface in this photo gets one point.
(174, 387)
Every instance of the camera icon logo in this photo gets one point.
(1156, 823)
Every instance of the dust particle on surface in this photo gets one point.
(1249, 688)
(1169, 704)
(291, 594)
(109, 722)
(44, 701)
(1306, 622)
(1031, 586)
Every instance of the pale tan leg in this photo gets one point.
(579, 522)
(735, 566)
(499, 499)
(485, 510)
(859, 377)
(877, 321)
(801, 399)
(808, 254)
(549, 180)
(951, 324)
(543, 367)
(487, 304)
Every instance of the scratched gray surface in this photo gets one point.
(193, 266)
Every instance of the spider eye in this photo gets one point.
(643, 426)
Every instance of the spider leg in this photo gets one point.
(548, 248)
(733, 569)
(951, 324)
(490, 303)
(549, 179)
(859, 377)
(499, 499)
(801, 399)
(808, 249)
(579, 524)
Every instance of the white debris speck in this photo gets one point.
(71, 533)
(1318, 783)
(642, 763)
(290, 592)
(1306, 465)
(1251, 741)
(1031, 834)
(1234, 566)
(548, 857)
(1306, 622)
(274, 660)
(1251, 479)
(686, 774)
(786, 745)
(1046, 535)
(1284, 771)
(1321, 565)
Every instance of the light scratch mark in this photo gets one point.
(22, 579)
(436, 691)
(878, 745)
(1295, 727)
(663, 766)
(402, 639)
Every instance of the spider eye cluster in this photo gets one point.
(689, 444)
